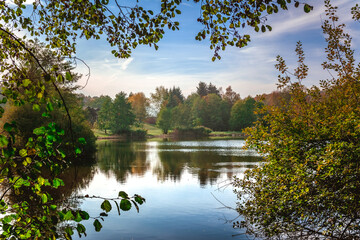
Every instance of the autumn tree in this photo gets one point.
(308, 186)
(230, 96)
(140, 105)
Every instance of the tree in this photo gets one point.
(105, 113)
(174, 97)
(308, 186)
(158, 98)
(181, 116)
(139, 104)
(242, 114)
(202, 89)
(211, 111)
(164, 120)
(122, 116)
(230, 96)
(212, 89)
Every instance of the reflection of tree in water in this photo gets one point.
(207, 165)
(122, 159)
(172, 165)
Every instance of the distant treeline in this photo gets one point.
(169, 109)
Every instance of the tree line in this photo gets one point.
(168, 108)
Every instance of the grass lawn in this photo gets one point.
(155, 131)
(225, 133)
(152, 129)
(101, 133)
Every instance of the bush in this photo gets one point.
(196, 132)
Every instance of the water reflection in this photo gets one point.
(207, 160)
(122, 159)
(176, 178)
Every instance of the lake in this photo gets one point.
(185, 183)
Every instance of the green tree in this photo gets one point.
(122, 116)
(308, 186)
(242, 114)
(212, 112)
(213, 89)
(181, 116)
(174, 97)
(164, 120)
(105, 113)
(201, 89)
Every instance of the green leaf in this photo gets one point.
(78, 217)
(49, 107)
(84, 215)
(125, 205)
(78, 151)
(3, 141)
(68, 76)
(26, 82)
(80, 228)
(44, 198)
(41, 180)
(106, 206)
(69, 231)
(307, 8)
(263, 28)
(82, 140)
(8, 127)
(123, 194)
(39, 131)
(97, 225)
(36, 107)
(140, 200)
(7, 219)
(23, 152)
(68, 216)
(57, 183)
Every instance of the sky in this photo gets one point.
(183, 62)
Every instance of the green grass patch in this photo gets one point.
(225, 133)
(152, 129)
(101, 133)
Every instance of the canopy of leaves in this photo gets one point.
(308, 186)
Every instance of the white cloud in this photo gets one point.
(27, 2)
(125, 63)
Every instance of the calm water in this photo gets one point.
(182, 182)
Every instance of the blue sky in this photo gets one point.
(182, 61)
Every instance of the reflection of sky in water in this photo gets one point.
(178, 180)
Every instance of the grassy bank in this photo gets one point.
(155, 133)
